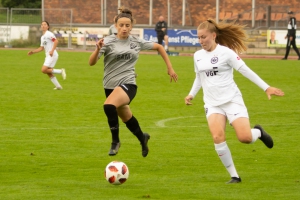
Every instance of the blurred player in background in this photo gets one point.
(112, 29)
(161, 29)
(49, 44)
(223, 100)
(120, 56)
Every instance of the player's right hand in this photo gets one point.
(100, 44)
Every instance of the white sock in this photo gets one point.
(255, 134)
(55, 82)
(56, 71)
(226, 158)
(166, 47)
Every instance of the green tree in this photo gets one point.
(21, 3)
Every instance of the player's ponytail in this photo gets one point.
(231, 35)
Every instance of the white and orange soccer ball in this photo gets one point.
(116, 172)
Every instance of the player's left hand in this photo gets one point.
(188, 100)
(274, 91)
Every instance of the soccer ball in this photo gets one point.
(116, 172)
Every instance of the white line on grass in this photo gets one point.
(161, 123)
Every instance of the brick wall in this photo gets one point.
(89, 11)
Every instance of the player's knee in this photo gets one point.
(109, 109)
(218, 138)
(245, 138)
(44, 71)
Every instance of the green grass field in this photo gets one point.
(54, 144)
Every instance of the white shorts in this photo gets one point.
(232, 110)
(50, 61)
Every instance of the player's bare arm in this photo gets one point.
(164, 55)
(94, 56)
(55, 43)
(35, 51)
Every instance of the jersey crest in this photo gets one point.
(214, 60)
(132, 45)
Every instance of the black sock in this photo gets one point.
(113, 121)
(134, 127)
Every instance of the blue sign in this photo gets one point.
(177, 37)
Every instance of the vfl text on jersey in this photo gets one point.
(212, 72)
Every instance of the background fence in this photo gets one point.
(67, 21)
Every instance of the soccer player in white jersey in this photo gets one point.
(121, 53)
(49, 44)
(223, 101)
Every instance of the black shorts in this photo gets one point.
(130, 90)
(160, 38)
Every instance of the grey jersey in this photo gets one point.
(120, 57)
(112, 30)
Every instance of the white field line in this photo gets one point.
(160, 124)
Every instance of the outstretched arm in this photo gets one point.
(41, 48)
(164, 55)
(94, 56)
(248, 73)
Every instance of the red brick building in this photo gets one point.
(90, 11)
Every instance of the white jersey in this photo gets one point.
(214, 73)
(47, 42)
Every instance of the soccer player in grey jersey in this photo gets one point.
(214, 65)
(112, 29)
(121, 53)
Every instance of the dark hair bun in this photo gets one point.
(126, 11)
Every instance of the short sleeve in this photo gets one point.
(146, 45)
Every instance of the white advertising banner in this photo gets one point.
(13, 33)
